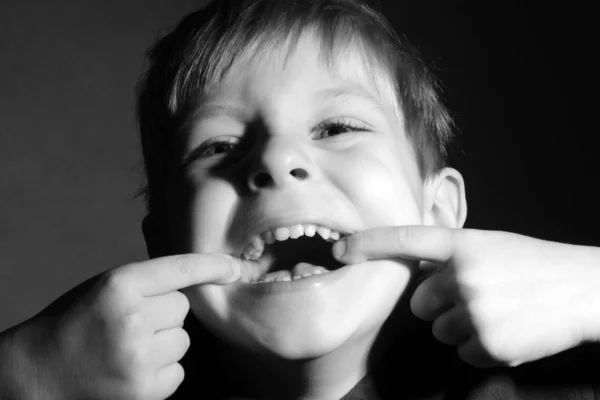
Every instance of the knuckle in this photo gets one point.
(462, 235)
(463, 241)
(113, 280)
(116, 283)
(465, 354)
(138, 357)
(438, 329)
(417, 303)
(135, 324)
(437, 332)
(481, 310)
(182, 265)
(472, 353)
(131, 359)
(140, 387)
(494, 348)
(469, 239)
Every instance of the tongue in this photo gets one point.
(304, 268)
(299, 271)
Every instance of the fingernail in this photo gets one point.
(236, 271)
(339, 248)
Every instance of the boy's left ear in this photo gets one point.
(444, 200)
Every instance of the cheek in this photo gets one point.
(379, 186)
(211, 208)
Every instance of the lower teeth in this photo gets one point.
(286, 276)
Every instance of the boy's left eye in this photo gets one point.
(335, 127)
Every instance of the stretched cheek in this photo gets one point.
(382, 194)
(209, 218)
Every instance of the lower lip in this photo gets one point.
(313, 282)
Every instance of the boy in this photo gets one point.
(271, 130)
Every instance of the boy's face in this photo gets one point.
(293, 169)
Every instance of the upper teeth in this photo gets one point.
(254, 249)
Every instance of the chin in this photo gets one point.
(301, 341)
(303, 321)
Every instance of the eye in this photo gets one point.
(217, 146)
(336, 127)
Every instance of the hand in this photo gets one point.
(502, 298)
(119, 335)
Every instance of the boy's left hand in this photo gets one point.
(502, 298)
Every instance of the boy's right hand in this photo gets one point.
(118, 335)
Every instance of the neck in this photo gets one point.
(328, 377)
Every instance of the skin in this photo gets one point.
(117, 336)
(501, 298)
(315, 343)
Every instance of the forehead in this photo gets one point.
(340, 71)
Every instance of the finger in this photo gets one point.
(428, 267)
(434, 295)
(167, 274)
(169, 346)
(167, 310)
(471, 351)
(168, 380)
(418, 242)
(453, 326)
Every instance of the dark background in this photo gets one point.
(517, 77)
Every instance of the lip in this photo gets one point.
(310, 283)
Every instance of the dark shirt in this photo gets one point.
(501, 384)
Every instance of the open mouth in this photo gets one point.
(293, 253)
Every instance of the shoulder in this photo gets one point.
(571, 375)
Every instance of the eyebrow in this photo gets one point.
(348, 93)
(343, 94)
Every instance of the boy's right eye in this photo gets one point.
(214, 147)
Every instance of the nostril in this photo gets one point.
(299, 173)
(262, 179)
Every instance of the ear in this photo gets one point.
(444, 201)
(154, 235)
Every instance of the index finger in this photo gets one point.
(167, 274)
(416, 242)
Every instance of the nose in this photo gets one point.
(281, 162)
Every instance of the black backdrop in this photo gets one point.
(517, 76)
(518, 79)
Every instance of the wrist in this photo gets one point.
(20, 372)
(14, 370)
(589, 304)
